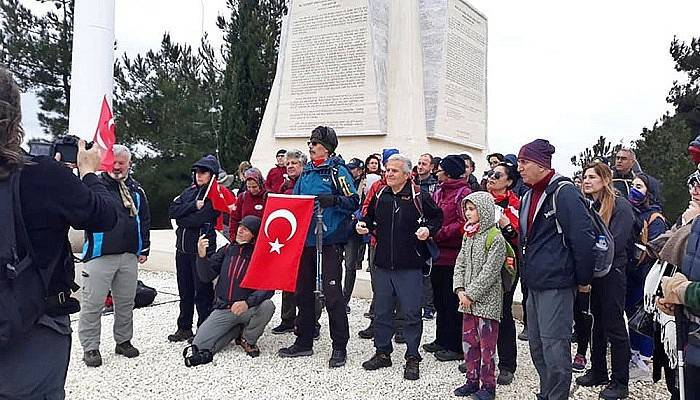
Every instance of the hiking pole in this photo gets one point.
(680, 345)
(319, 252)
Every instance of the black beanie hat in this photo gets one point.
(326, 136)
(251, 222)
(453, 166)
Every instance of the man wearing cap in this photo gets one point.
(326, 178)
(552, 266)
(353, 251)
(194, 216)
(275, 177)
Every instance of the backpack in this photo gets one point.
(603, 251)
(23, 287)
(643, 239)
(144, 297)
(509, 270)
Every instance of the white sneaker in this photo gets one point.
(640, 374)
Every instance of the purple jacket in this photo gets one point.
(448, 197)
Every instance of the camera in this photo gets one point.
(67, 146)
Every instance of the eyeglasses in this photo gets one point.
(439, 170)
(495, 175)
(312, 143)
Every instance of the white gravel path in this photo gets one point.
(159, 373)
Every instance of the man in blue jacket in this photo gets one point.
(111, 262)
(326, 177)
(550, 269)
(194, 216)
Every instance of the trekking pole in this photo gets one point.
(680, 345)
(319, 252)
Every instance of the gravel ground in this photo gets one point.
(159, 373)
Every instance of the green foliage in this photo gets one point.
(685, 97)
(37, 49)
(165, 108)
(250, 53)
(602, 149)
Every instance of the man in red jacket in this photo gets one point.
(275, 177)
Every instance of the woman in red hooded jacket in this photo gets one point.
(249, 202)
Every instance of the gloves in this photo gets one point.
(326, 200)
(674, 288)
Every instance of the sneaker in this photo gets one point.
(282, 328)
(579, 363)
(127, 350)
(338, 358)
(467, 389)
(180, 335)
(614, 391)
(428, 315)
(504, 377)
(640, 374)
(411, 371)
(378, 360)
(367, 333)
(448, 355)
(92, 358)
(294, 351)
(398, 338)
(250, 349)
(193, 356)
(462, 367)
(523, 335)
(590, 379)
(432, 347)
(484, 394)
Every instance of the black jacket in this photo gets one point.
(130, 234)
(53, 199)
(230, 264)
(394, 219)
(622, 227)
(191, 222)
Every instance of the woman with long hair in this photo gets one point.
(607, 298)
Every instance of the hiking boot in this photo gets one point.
(428, 315)
(448, 355)
(579, 363)
(367, 333)
(92, 358)
(432, 347)
(504, 377)
(378, 360)
(180, 335)
(127, 350)
(338, 358)
(467, 389)
(614, 391)
(462, 367)
(484, 394)
(294, 351)
(410, 370)
(250, 349)
(398, 338)
(523, 335)
(282, 328)
(193, 356)
(590, 379)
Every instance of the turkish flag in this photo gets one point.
(221, 198)
(104, 136)
(275, 261)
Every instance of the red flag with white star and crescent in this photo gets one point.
(105, 137)
(274, 264)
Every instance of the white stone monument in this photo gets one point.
(407, 74)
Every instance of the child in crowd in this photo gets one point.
(477, 283)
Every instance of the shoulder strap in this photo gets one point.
(491, 236)
(654, 216)
(15, 232)
(417, 200)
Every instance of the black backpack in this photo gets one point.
(23, 287)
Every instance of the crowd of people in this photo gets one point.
(440, 243)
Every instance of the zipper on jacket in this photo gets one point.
(234, 275)
(393, 211)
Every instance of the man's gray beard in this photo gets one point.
(118, 177)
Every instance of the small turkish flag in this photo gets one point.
(104, 136)
(275, 261)
(221, 198)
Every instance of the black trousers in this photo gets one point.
(352, 255)
(448, 321)
(506, 346)
(524, 291)
(692, 382)
(193, 292)
(608, 308)
(582, 322)
(333, 296)
(289, 309)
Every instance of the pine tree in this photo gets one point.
(602, 150)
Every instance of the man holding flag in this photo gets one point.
(195, 214)
(326, 177)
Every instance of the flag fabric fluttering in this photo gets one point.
(105, 136)
(274, 264)
(221, 198)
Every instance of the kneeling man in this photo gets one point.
(238, 313)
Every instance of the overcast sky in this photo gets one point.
(565, 71)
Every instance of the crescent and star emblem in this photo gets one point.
(276, 246)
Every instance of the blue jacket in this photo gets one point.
(546, 262)
(131, 234)
(331, 177)
(691, 269)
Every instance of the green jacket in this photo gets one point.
(692, 296)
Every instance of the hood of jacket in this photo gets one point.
(208, 162)
(485, 207)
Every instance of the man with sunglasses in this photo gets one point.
(623, 175)
(326, 177)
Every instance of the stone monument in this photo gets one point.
(409, 74)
